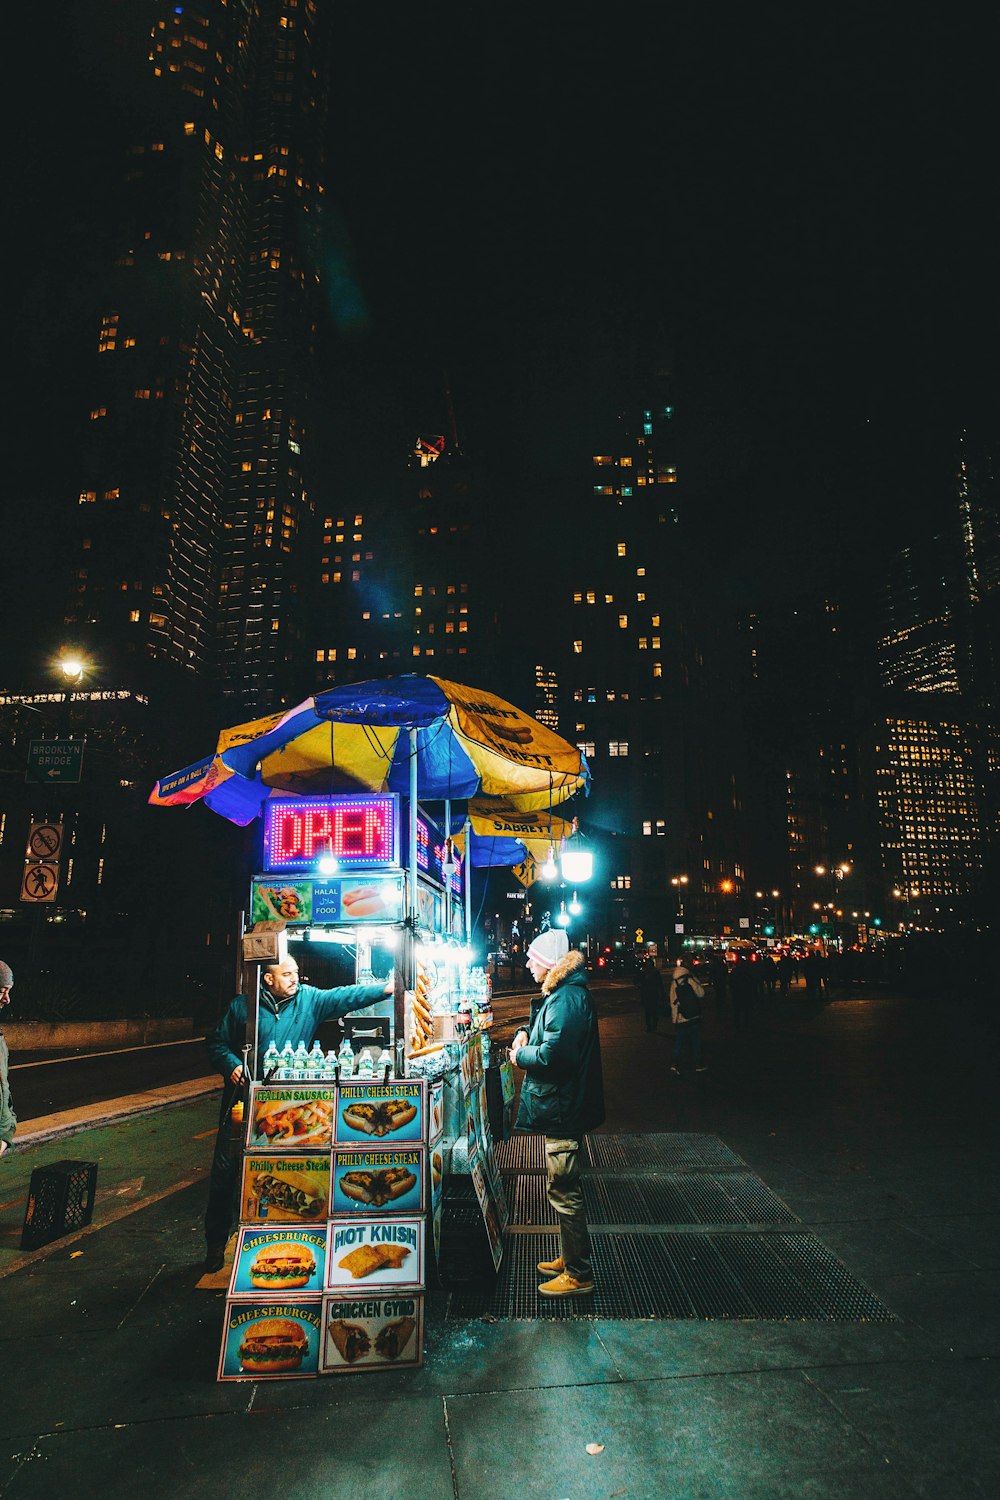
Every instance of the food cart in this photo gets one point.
(347, 1149)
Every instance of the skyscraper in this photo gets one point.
(193, 509)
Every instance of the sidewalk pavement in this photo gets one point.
(869, 1117)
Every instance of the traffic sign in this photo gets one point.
(40, 881)
(51, 761)
(44, 841)
(527, 870)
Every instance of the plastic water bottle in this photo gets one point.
(366, 1064)
(346, 1058)
(286, 1062)
(270, 1058)
(316, 1062)
(300, 1060)
(384, 1061)
(330, 1064)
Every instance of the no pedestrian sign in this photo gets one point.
(51, 761)
(40, 881)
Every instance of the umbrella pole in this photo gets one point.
(408, 979)
(468, 883)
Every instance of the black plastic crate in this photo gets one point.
(60, 1199)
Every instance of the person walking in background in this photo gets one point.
(686, 995)
(743, 983)
(718, 973)
(562, 1096)
(8, 1119)
(652, 992)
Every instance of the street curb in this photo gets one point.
(109, 1111)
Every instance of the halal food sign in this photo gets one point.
(356, 830)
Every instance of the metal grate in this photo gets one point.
(673, 1152)
(716, 1198)
(708, 1276)
(522, 1153)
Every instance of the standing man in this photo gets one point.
(288, 1012)
(562, 1096)
(8, 1119)
(686, 995)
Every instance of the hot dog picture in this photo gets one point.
(379, 1119)
(383, 1185)
(363, 901)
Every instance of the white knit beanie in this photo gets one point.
(549, 947)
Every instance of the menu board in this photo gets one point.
(435, 1112)
(270, 1340)
(281, 1189)
(290, 1117)
(363, 1181)
(381, 1112)
(276, 1262)
(369, 1256)
(371, 1333)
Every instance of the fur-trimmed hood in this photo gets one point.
(573, 961)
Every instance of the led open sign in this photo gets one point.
(359, 831)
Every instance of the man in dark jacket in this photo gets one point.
(288, 1012)
(562, 1096)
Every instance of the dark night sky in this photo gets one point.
(799, 217)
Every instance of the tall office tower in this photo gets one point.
(194, 511)
(628, 637)
(408, 581)
(938, 770)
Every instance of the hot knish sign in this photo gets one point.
(360, 831)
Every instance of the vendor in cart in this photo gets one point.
(288, 1012)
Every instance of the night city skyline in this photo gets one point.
(767, 252)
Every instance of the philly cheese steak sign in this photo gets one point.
(381, 1113)
(366, 1182)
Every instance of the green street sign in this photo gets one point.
(52, 761)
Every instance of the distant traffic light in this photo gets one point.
(814, 928)
(769, 930)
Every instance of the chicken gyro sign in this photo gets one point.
(365, 1334)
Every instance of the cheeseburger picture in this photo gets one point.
(271, 1345)
(282, 1267)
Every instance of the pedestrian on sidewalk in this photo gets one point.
(562, 1096)
(652, 993)
(686, 995)
(288, 1012)
(743, 983)
(8, 1119)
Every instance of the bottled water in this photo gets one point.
(270, 1058)
(330, 1064)
(346, 1058)
(316, 1062)
(286, 1062)
(384, 1061)
(366, 1064)
(300, 1061)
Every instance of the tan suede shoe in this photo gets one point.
(565, 1285)
(551, 1267)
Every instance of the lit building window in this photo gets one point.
(578, 647)
(621, 882)
(657, 669)
(647, 826)
(643, 642)
(626, 463)
(586, 747)
(591, 597)
(623, 622)
(618, 747)
(601, 460)
(621, 549)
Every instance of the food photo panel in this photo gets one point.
(290, 1117)
(270, 1340)
(371, 1333)
(276, 1262)
(381, 1112)
(375, 1254)
(285, 1189)
(377, 1181)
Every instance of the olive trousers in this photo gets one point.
(564, 1191)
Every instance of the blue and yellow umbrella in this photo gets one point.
(468, 743)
